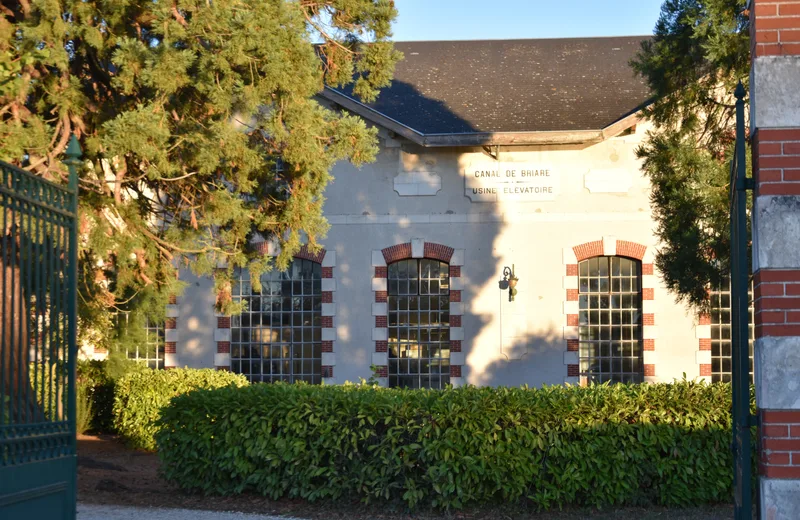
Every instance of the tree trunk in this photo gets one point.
(21, 404)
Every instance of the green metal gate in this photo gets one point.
(38, 257)
(740, 184)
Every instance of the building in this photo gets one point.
(493, 154)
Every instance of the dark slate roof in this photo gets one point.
(446, 87)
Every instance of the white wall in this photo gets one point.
(366, 214)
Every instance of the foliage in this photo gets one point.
(99, 377)
(140, 395)
(594, 446)
(84, 408)
(699, 51)
(184, 111)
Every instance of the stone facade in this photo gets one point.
(775, 128)
(601, 207)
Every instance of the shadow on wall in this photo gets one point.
(519, 361)
(492, 357)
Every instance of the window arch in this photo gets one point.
(419, 323)
(278, 336)
(610, 319)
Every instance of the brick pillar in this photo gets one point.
(775, 127)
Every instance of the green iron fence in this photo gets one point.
(38, 257)
(740, 184)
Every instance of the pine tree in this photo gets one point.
(700, 50)
(199, 125)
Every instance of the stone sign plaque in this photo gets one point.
(518, 181)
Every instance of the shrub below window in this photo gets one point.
(140, 395)
(598, 446)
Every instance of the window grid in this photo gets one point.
(419, 323)
(721, 368)
(153, 350)
(278, 337)
(610, 320)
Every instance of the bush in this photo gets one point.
(100, 376)
(598, 446)
(140, 395)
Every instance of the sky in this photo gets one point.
(509, 19)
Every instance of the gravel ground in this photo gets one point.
(97, 512)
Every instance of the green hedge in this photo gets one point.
(140, 395)
(598, 446)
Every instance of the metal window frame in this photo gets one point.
(400, 334)
(635, 327)
(257, 328)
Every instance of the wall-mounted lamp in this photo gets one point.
(509, 281)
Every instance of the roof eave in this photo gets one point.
(482, 138)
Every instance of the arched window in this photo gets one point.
(419, 323)
(610, 319)
(278, 337)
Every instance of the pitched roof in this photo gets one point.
(480, 89)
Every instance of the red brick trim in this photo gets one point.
(455, 370)
(648, 294)
(455, 320)
(304, 252)
(631, 249)
(171, 323)
(223, 369)
(588, 250)
(381, 272)
(780, 443)
(327, 371)
(327, 296)
(573, 371)
(381, 322)
(572, 345)
(382, 371)
(648, 319)
(455, 296)
(648, 269)
(455, 345)
(381, 346)
(327, 272)
(223, 347)
(776, 154)
(381, 296)
(649, 370)
(572, 295)
(572, 269)
(170, 347)
(173, 300)
(649, 345)
(327, 322)
(704, 319)
(455, 271)
(429, 250)
(223, 322)
(572, 320)
(705, 370)
(327, 346)
(438, 252)
(396, 252)
(705, 343)
(777, 302)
